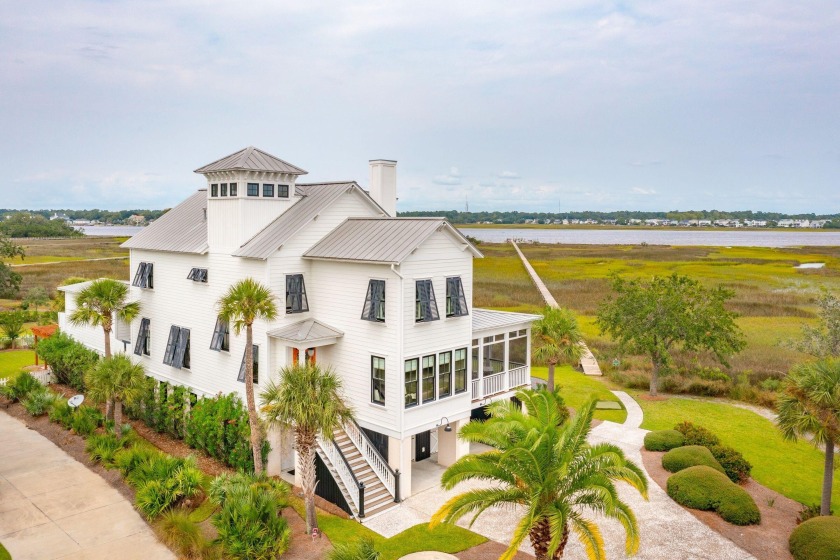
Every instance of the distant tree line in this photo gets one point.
(23, 224)
(104, 216)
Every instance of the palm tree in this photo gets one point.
(558, 339)
(100, 302)
(544, 465)
(308, 400)
(116, 379)
(809, 405)
(243, 303)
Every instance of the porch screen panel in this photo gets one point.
(412, 382)
(460, 370)
(517, 350)
(494, 356)
(475, 353)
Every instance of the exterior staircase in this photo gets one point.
(366, 481)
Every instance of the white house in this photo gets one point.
(386, 302)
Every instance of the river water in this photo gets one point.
(693, 236)
(110, 231)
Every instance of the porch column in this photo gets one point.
(450, 446)
(506, 364)
(399, 458)
(274, 461)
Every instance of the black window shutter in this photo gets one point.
(138, 275)
(217, 341)
(181, 348)
(141, 336)
(169, 355)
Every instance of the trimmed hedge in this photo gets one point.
(68, 359)
(816, 539)
(689, 456)
(697, 435)
(664, 440)
(704, 488)
(734, 465)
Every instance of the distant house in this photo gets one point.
(63, 217)
(704, 223)
(136, 220)
(786, 223)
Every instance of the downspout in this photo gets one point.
(400, 330)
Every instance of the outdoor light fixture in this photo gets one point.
(448, 428)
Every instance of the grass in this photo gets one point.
(203, 511)
(794, 469)
(4, 554)
(12, 361)
(577, 389)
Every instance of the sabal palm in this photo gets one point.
(308, 400)
(116, 379)
(242, 304)
(545, 466)
(809, 405)
(558, 339)
(100, 302)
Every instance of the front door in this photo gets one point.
(422, 445)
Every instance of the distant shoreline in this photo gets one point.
(642, 227)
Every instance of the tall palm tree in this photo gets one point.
(809, 405)
(308, 400)
(100, 303)
(116, 379)
(558, 339)
(544, 465)
(243, 303)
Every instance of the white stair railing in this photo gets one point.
(345, 473)
(372, 456)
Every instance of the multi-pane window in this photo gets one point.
(268, 191)
(296, 301)
(177, 352)
(141, 348)
(283, 191)
(223, 189)
(221, 336)
(428, 378)
(256, 363)
(214, 189)
(253, 189)
(460, 370)
(198, 275)
(144, 277)
(517, 348)
(426, 306)
(377, 380)
(412, 382)
(456, 301)
(233, 189)
(444, 374)
(374, 309)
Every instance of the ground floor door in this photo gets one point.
(422, 445)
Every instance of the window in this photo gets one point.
(221, 336)
(255, 361)
(224, 189)
(517, 349)
(377, 380)
(283, 191)
(198, 275)
(141, 348)
(233, 189)
(253, 189)
(444, 374)
(296, 301)
(412, 382)
(428, 378)
(456, 302)
(374, 309)
(460, 370)
(177, 352)
(426, 305)
(214, 190)
(143, 278)
(268, 191)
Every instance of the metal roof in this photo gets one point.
(251, 159)
(315, 198)
(487, 319)
(308, 331)
(181, 230)
(381, 240)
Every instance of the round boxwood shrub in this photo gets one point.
(816, 539)
(707, 489)
(689, 456)
(664, 440)
(734, 465)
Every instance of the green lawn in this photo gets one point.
(12, 361)
(4, 554)
(578, 388)
(792, 469)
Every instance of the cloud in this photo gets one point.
(643, 191)
(451, 178)
(508, 175)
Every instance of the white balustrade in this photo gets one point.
(339, 464)
(493, 384)
(372, 456)
(518, 377)
(476, 389)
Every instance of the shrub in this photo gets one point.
(362, 549)
(129, 459)
(771, 384)
(697, 435)
(68, 359)
(162, 482)
(85, 420)
(180, 534)
(704, 488)
(39, 401)
(664, 440)
(734, 465)
(816, 539)
(810, 511)
(19, 388)
(103, 448)
(630, 379)
(689, 456)
(60, 412)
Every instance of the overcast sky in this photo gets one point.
(570, 105)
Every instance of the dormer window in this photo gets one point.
(456, 301)
(283, 191)
(224, 189)
(198, 275)
(296, 301)
(268, 191)
(426, 306)
(253, 189)
(233, 189)
(214, 190)
(144, 277)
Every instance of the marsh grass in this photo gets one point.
(49, 276)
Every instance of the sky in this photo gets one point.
(534, 106)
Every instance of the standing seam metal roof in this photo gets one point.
(485, 319)
(181, 230)
(251, 159)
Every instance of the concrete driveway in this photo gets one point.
(52, 506)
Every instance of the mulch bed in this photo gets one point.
(766, 541)
(489, 549)
(303, 546)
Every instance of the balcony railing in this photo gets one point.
(494, 382)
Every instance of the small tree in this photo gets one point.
(308, 400)
(656, 317)
(116, 379)
(558, 340)
(823, 340)
(243, 303)
(12, 323)
(37, 297)
(809, 406)
(9, 279)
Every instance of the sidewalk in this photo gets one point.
(52, 506)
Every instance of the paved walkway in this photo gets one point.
(52, 506)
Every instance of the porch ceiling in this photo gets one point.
(309, 332)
